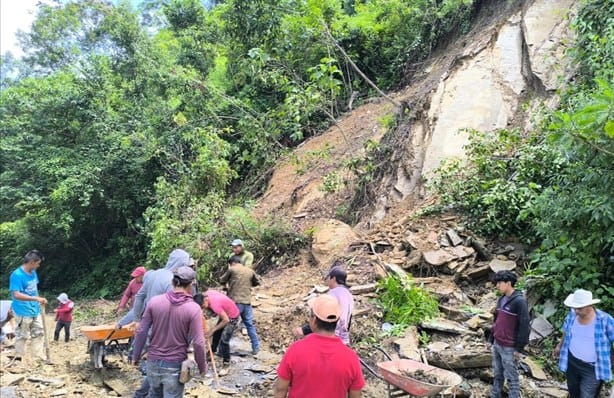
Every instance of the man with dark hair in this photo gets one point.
(510, 333)
(240, 281)
(247, 258)
(320, 365)
(27, 306)
(228, 315)
(175, 320)
(155, 282)
(336, 278)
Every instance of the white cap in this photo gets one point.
(63, 298)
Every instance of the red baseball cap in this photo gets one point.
(138, 271)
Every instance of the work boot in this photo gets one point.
(225, 368)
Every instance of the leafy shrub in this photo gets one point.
(332, 182)
(405, 303)
(497, 183)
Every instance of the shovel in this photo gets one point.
(217, 380)
(46, 341)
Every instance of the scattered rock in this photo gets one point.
(396, 270)
(330, 240)
(480, 248)
(497, 265)
(445, 325)
(479, 272)
(536, 371)
(469, 357)
(540, 328)
(438, 346)
(554, 392)
(10, 379)
(414, 258)
(437, 257)
(59, 392)
(455, 314)
(118, 386)
(454, 238)
(361, 289)
(408, 345)
(474, 322)
(46, 381)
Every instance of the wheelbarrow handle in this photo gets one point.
(374, 372)
(380, 349)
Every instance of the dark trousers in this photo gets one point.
(581, 379)
(58, 327)
(222, 338)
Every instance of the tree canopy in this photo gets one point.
(124, 130)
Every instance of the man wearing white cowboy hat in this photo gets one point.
(584, 350)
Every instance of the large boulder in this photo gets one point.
(331, 239)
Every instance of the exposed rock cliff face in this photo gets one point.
(509, 64)
(515, 63)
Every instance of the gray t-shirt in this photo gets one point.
(5, 305)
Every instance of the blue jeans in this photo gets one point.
(163, 379)
(504, 368)
(143, 390)
(247, 316)
(581, 379)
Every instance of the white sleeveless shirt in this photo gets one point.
(582, 343)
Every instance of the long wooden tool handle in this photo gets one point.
(217, 380)
(46, 341)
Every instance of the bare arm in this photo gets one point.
(281, 388)
(354, 394)
(224, 319)
(125, 297)
(557, 350)
(24, 297)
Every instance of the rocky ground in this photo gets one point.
(456, 274)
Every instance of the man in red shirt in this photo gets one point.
(320, 365)
(133, 288)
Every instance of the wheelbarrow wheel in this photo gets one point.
(96, 350)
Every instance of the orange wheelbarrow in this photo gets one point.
(105, 339)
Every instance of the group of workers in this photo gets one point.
(167, 314)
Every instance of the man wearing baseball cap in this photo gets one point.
(584, 351)
(175, 320)
(336, 279)
(247, 258)
(320, 365)
(132, 289)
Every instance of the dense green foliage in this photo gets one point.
(124, 131)
(404, 302)
(553, 187)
